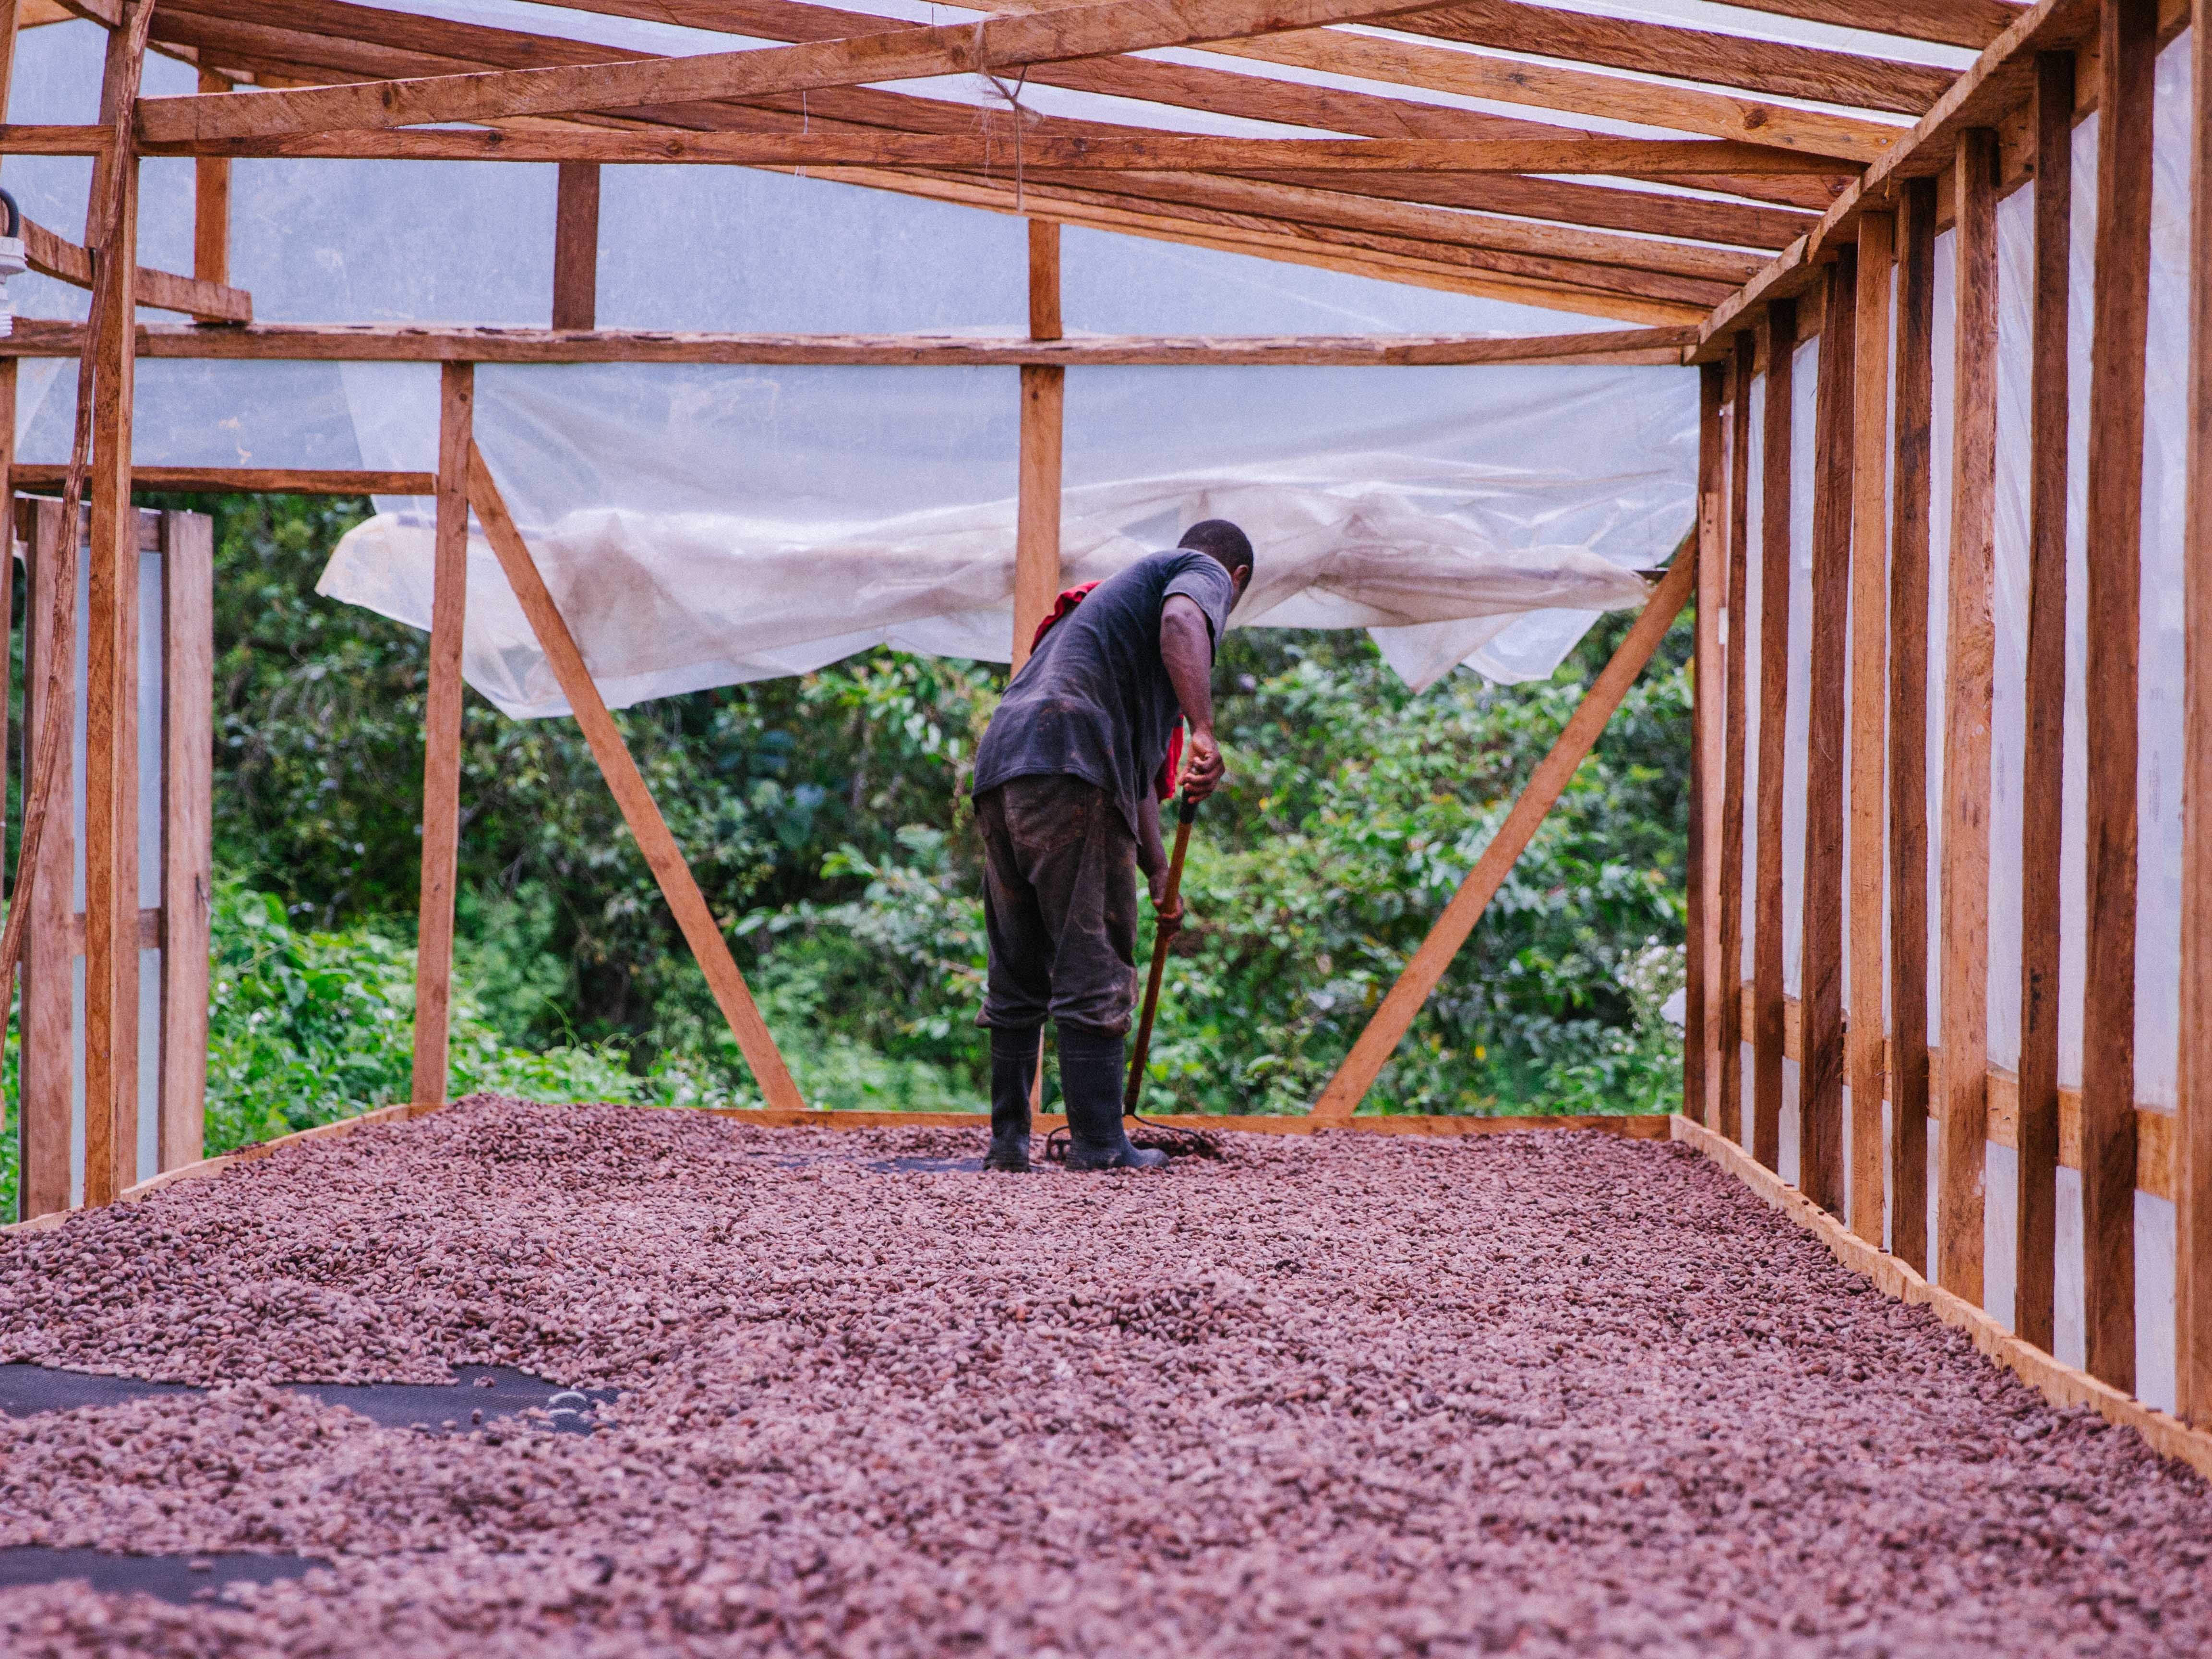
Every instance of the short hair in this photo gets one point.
(1221, 538)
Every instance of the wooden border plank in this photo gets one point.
(187, 830)
(2127, 68)
(647, 827)
(1970, 657)
(1869, 597)
(576, 246)
(2061, 1385)
(1372, 1050)
(65, 261)
(1732, 796)
(1773, 717)
(45, 1099)
(1701, 1002)
(441, 739)
(1910, 473)
(1820, 977)
(2193, 1278)
(2043, 769)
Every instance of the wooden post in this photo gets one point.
(1970, 654)
(576, 246)
(10, 21)
(187, 828)
(111, 865)
(2127, 62)
(1372, 1050)
(1869, 581)
(647, 827)
(1698, 1078)
(1820, 1045)
(2192, 1233)
(441, 739)
(44, 1101)
(1908, 726)
(211, 207)
(2042, 769)
(1739, 641)
(1037, 536)
(1766, 1031)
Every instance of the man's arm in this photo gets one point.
(1187, 651)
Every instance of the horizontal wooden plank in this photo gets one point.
(266, 480)
(55, 256)
(1972, 23)
(430, 342)
(1160, 152)
(2154, 1124)
(996, 45)
(20, 140)
(2063, 1385)
(1740, 62)
(150, 936)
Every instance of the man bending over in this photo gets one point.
(1066, 797)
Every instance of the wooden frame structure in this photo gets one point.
(1800, 200)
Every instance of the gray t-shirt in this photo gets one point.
(1094, 701)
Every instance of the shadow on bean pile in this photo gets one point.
(1549, 1394)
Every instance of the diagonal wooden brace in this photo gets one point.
(650, 829)
(1374, 1045)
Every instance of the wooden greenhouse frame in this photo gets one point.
(1801, 197)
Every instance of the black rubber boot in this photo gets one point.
(1014, 1055)
(1090, 1082)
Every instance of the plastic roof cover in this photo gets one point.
(708, 524)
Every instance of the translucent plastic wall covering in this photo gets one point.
(706, 525)
(2158, 959)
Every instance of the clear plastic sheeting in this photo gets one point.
(705, 526)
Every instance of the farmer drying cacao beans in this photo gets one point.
(1069, 779)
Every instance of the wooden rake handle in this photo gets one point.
(1163, 934)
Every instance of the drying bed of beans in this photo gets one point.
(1549, 1393)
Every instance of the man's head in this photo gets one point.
(1228, 545)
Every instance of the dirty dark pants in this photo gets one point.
(1059, 906)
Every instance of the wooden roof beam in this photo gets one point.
(1972, 23)
(990, 45)
(1156, 152)
(1777, 68)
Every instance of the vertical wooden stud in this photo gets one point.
(1699, 945)
(211, 205)
(1036, 538)
(1869, 581)
(187, 828)
(111, 903)
(2127, 63)
(576, 246)
(1821, 1047)
(441, 739)
(44, 1100)
(10, 20)
(1732, 796)
(2192, 1277)
(1970, 656)
(1908, 725)
(2042, 772)
(1773, 709)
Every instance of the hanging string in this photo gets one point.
(1013, 97)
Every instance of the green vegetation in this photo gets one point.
(827, 821)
